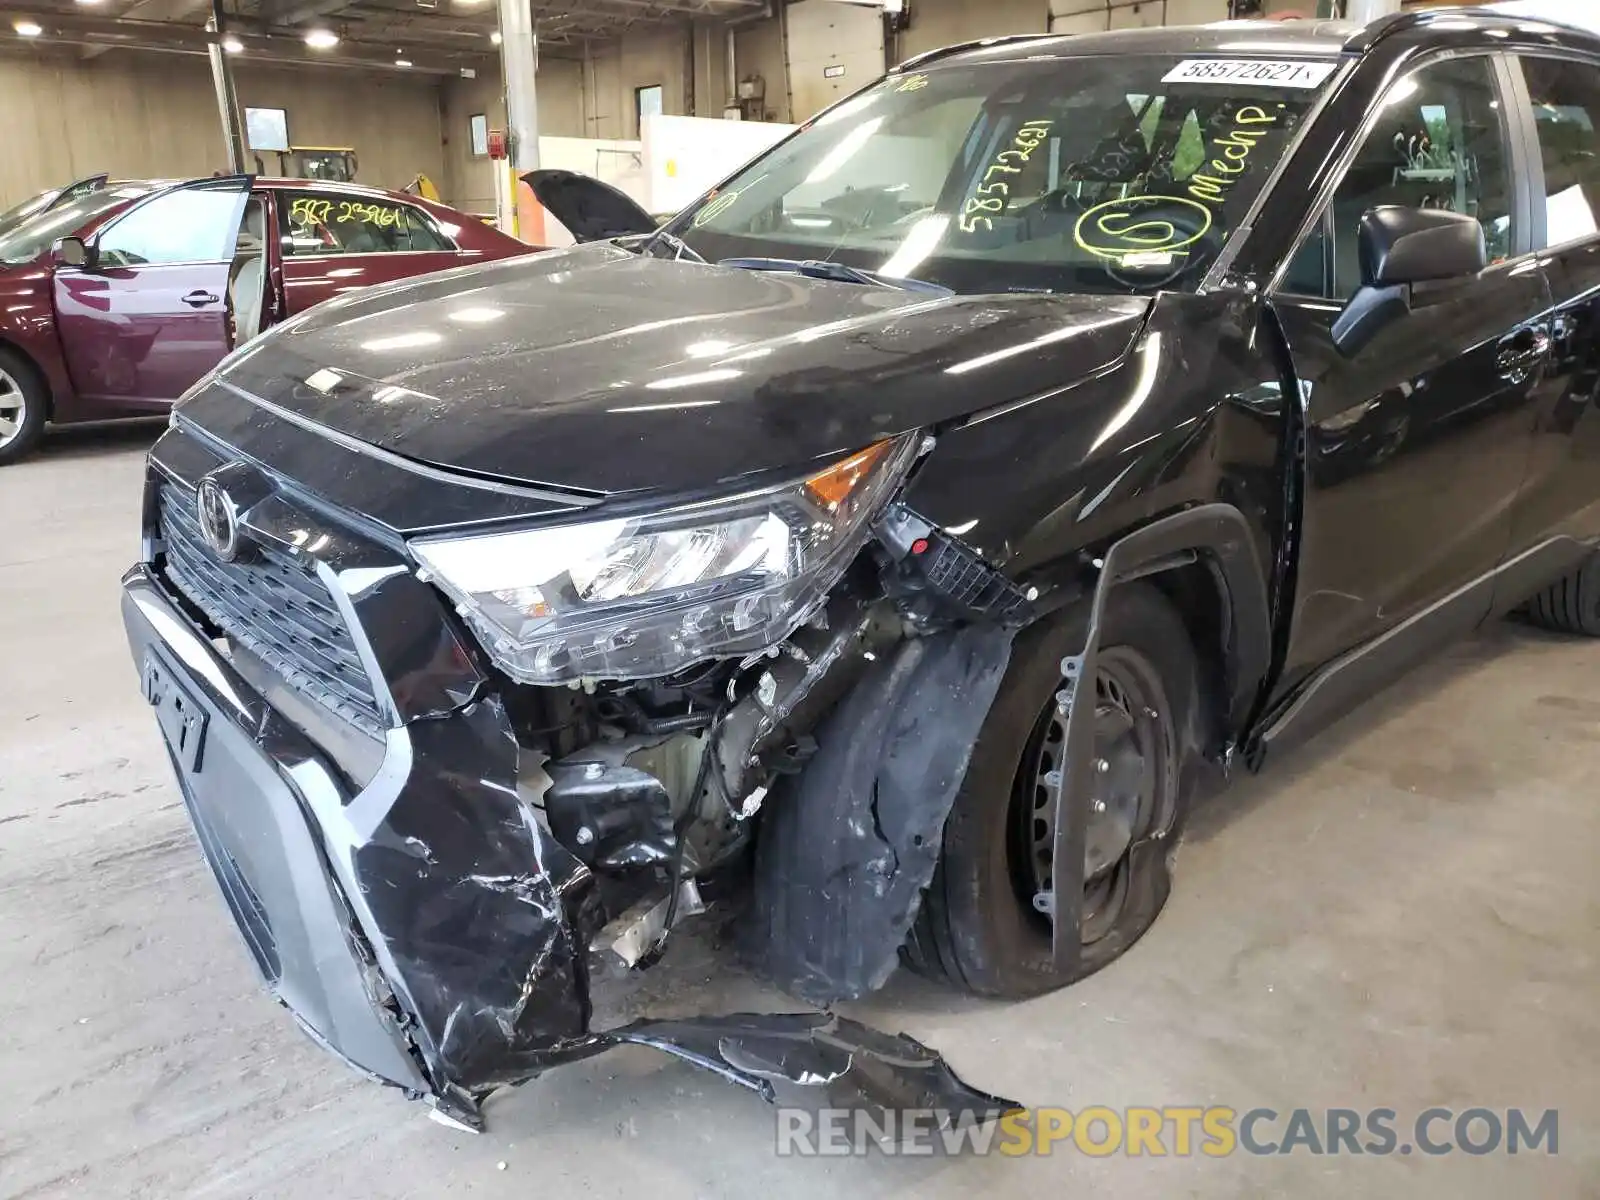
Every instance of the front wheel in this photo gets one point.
(22, 406)
(984, 923)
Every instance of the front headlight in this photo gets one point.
(643, 596)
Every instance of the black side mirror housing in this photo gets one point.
(72, 252)
(1400, 247)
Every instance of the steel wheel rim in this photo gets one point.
(13, 408)
(1129, 796)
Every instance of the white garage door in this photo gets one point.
(834, 49)
(1097, 16)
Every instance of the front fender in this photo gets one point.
(27, 325)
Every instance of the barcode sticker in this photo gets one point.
(1262, 72)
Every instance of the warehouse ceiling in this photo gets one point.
(437, 36)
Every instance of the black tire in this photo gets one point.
(20, 383)
(1571, 604)
(977, 928)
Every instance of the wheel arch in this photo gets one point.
(1205, 558)
(32, 363)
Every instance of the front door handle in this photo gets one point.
(199, 299)
(1521, 353)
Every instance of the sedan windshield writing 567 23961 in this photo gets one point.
(1118, 175)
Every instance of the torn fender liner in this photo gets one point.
(821, 1061)
(848, 849)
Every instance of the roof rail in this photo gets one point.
(1381, 27)
(928, 56)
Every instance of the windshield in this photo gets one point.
(37, 234)
(1121, 173)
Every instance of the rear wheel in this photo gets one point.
(22, 406)
(1571, 604)
(984, 923)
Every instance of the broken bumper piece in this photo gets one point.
(820, 1061)
(425, 927)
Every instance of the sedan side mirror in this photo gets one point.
(72, 252)
(1400, 247)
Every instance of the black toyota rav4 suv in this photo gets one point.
(888, 549)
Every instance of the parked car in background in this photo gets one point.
(118, 299)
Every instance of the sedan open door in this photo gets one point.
(142, 306)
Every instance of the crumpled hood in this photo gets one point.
(599, 370)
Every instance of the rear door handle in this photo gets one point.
(199, 299)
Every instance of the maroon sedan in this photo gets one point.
(114, 303)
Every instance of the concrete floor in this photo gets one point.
(1405, 916)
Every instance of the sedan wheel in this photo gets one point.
(22, 407)
(13, 408)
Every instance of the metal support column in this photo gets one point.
(227, 97)
(519, 64)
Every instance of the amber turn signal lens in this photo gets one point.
(832, 487)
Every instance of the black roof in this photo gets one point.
(1253, 37)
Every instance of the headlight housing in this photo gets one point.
(644, 596)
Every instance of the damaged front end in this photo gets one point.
(437, 835)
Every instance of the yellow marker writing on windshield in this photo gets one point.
(1229, 154)
(1133, 225)
(990, 194)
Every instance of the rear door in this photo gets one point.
(1416, 444)
(1558, 512)
(333, 240)
(148, 316)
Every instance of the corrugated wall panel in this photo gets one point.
(156, 115)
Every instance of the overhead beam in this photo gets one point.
(86, 31)
(85, 41)
(177, 12)
(310, 11)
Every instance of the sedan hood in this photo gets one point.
(599, 370)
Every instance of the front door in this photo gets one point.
(1416, 445)
(148, 316)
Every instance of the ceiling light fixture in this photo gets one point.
(495, 37)
(322, 39)
(28, 28)
(230, 43)
(402, 62)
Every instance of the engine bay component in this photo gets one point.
(935, 577)
(639, 931)
(611, 815)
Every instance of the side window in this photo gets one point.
(199, 226)
(1438, 143)
(315, 222)
(1566, 107)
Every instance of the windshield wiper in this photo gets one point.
(836, 271)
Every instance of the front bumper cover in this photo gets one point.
(426, 927)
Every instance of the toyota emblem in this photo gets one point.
(219, 519)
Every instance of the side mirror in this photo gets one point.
(72, 252)
(1400, 247)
